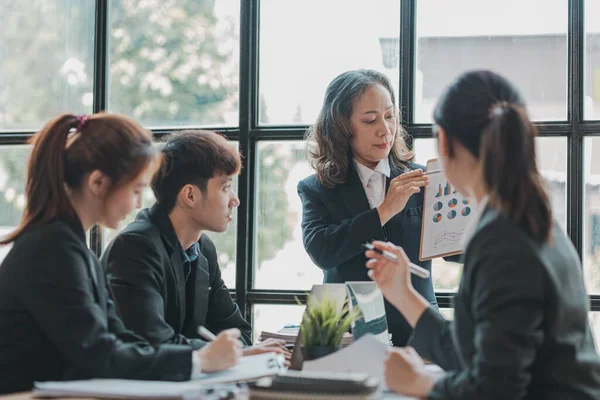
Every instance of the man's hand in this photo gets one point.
(269, 346)
(222, 353)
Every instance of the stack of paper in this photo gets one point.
(119, 389)
(249, 368)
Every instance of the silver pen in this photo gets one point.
(414, 268)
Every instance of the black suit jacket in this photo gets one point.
(337, 221)
(57, 321)
(521, 328)
(145, 271)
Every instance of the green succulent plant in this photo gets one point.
(323, 324)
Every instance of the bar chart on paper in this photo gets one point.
(446, 213)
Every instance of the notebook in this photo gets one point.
(299, 385)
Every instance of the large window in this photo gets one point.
(257, 70)
(47, 61)
(302, 49)
(13, 165)
(512, 37)
(591, 217)
(592, 60)
(281, 261)
(175, 62)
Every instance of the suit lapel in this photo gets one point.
(176, 266)
(394, 172)
(161, 219)
(353, 193)
(202, 289)
(95, 276)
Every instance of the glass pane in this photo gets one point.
(525, 45)
(225, 242)
(47, 53)
(552, 162)
(594, 317)
(280, 259)
(448, 313)
(273, 317)
(591, 214)
(305, 44)
(592, 60)
(13, 172)
(175, 62)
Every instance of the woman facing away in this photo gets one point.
(366, 186)
(57, 320)
(520, 328)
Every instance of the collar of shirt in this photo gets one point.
(365, 173)
(190, 255)
(472, 226)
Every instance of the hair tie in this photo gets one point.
(82, 119)
(498, 108)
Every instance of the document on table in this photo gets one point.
(366, 355)
(249, 368)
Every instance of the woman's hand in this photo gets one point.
(401, 188)
(405, 373)
(392, 277)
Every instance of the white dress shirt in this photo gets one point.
(374, 180)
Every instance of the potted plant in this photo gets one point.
(324, 325)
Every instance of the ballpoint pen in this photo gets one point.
(414, 268)
(206, 334)
(435, 171)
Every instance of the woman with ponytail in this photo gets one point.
(520, 328)
(57, 321)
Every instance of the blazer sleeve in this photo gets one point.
(331, 244)
(223, 312)
(136, 277)
(505, 299)
(432, 339)
(63, 303)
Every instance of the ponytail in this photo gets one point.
(45, 190)
(68, 148)
(510, 171)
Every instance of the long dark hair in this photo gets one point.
(329, 138)
(486, 114)
(68, 148)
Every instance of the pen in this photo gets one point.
(414, 268)
(206, 334)
(435, 171)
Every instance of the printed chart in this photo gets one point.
(446, 213)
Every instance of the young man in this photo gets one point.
(162, 268)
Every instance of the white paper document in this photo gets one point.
(116, 389)
(446, 214)
(366, 355)
(249, 368)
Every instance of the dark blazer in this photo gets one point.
(145, 271)
(521, 328)
(337, 221)
(57, 321)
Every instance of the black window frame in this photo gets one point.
(249, 132)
